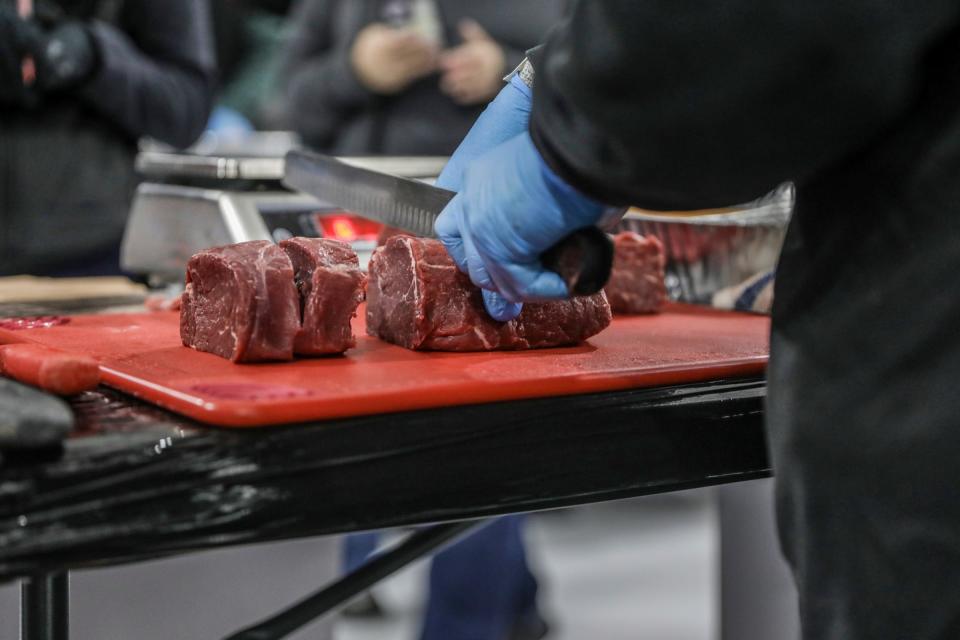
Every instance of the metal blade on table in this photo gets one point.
(398, 202)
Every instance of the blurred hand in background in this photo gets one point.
(64, 55)
(356, 81)
(81, 81)
(387, 60)
(472, 73)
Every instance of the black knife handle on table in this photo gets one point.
(30, 418)
(583, 259)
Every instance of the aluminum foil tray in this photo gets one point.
(711, 250)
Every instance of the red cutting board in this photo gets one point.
(142, 355)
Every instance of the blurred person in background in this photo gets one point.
(249, 37)
(395, 77)
(80, 82)
(399, 77)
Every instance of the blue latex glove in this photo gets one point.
(506, 117)
(510, 209)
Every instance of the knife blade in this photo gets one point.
(583, 259)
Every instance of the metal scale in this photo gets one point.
(218, 196)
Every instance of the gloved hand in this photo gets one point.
(65, 55)
(13, 50)
(511, 208)
(506, 117)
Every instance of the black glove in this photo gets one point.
(65, 56)
(13, 49)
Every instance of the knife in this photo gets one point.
(30, 418)
(583, 259)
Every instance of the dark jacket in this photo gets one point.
(66, 168)
(686, 105)
(333, 112)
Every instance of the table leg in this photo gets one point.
(343, 590)
(45, 607)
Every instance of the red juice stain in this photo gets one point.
(249, 391)
(36, 322)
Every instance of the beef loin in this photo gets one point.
(328, 277)
(240, 302)
(417, 298)
(636, 282)
(388, 232)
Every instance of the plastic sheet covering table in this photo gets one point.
(137, 482)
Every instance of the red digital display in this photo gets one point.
(346, 227)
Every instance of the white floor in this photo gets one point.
(630, 570)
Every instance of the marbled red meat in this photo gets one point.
(388, 232)
(240, 302)
(417, 298)
(328, 277)
(636, 282)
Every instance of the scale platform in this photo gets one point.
(193, 202)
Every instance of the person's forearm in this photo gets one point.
(147, 96)
(668, 106)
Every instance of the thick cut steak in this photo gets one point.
(388, 232)
(636, 282)
(240, 302)
(328, 277)
(417, 298)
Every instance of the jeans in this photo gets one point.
(479, 587)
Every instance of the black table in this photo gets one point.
(137, 482)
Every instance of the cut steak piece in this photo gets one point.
(328, 277)
(240, 302)
(417, 298)
(636, 283)
(388, 232)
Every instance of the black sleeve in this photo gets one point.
(672, 105)
(512, 57)
(157, 70)
(322, 90)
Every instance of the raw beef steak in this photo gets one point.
(388, 232)
(328, 277)
(636, 283)
(240, 302)
(417, 298)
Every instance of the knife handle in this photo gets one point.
(583, 259)
(65, 374)
(30, 418)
